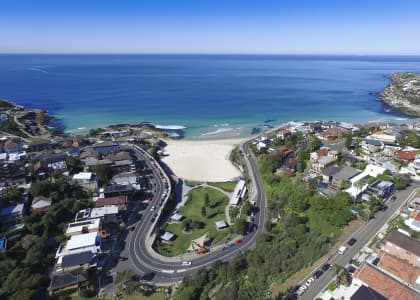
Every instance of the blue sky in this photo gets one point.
(217, 26)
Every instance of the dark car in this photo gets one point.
(351, 242)
(351, 269)
(318, 273)
(326, 267)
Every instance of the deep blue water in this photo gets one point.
(203, 93)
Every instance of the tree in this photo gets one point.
(104, 173)
(206, 200)
(348, 140)
(203, 211)
(186, 224)
(240, 226)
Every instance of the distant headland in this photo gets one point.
(403, 93)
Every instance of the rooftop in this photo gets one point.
(384, 284)
(83, 176)
(82, 240)
(366, 293)
(167, 236)
(399, 268)
(77, 259)
(346, 173)
(111, 201)
(405, 242)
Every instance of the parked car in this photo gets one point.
(186, 263)
(341, 250)
(326, 267)
(152, 208)
(309, 281)
(351, 241)
(317, 274)
(301, 290)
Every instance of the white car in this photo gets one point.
(309, 281)
(301, 290)
(341, 250)
(186, 263)
(152, 208)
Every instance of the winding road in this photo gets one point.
(143, 260)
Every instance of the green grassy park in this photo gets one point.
(192, 212)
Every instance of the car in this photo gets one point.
(301, 290)
(155, 215)
(152, 208)
(341, 250)
(351, 269)
(326, 267)
(152, 220)
(309, 281)
(186, 263)
(393, 198)
(238, 241)
(384, 207)
(351, 241)
(317, 274)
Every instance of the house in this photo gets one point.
(105, 147)
(82, 227)
(371, 170)
(80, 243)
(238, 193)
(117, 190)
(371, 146)
(40, 145)
(76, 261)
(127, 178)
(73, 151)
(322, 158)
(416, 163)
(67, 281)
(107, 214)
(286, 151)
(399, 268)
(40, 170)
(41, 203)
(344, 175)
(290, 165)
(13, 145)
(80, 141)
(86, 179)
(119, 201)
(384, 136)
(381, 188)
(11, 214)
(329, 172)
(403, 247)
(384, 284)
(221, 225)
(406, 155)
(283, 133)
(414, 221)
(367, 293)
(54, 161)
(327, 135)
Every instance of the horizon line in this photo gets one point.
(207, 53)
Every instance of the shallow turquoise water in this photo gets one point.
(203, 93)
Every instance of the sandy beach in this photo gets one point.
(202, 160)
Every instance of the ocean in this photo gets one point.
(205, 93)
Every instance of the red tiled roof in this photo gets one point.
(399, 268)
(384, 284)
(111, 201)
(285, 150)
(406, 155)
(322, 152)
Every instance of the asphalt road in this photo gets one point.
(363, 236)
(164, 272)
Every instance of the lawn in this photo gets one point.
(228, 186)
(215, 211)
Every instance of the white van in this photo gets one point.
(342, 249)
